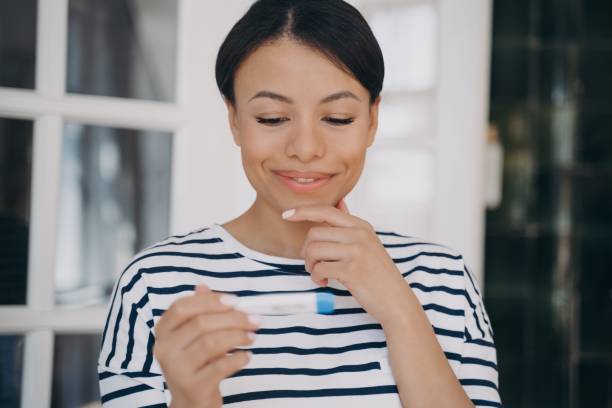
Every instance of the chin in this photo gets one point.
(296, 202)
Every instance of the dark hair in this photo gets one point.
(332, 27)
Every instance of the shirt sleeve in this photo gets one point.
(129, 375)
(478, 371)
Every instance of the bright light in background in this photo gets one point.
(407, 35)
(397, 189)
(399, 185)
(405, 116)
(115, 199)
(411, 169)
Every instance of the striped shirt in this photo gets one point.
(302, 360)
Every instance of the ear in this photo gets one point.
(373, 120)
(232, 117)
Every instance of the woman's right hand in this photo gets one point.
(192, 340)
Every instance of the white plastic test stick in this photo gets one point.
(286, 303)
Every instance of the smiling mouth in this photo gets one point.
(301, 183)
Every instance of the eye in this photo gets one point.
(339, 121)
(271, 121)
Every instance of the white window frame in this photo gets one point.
(201, 27)
(202, 145)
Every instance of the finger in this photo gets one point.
(327, 234)
(225, 366)
(323, 271)
(324, 213)
(341, 205)
(325, 251)
(214, 345)
(188, 307)
(202, 324)
(202, 288)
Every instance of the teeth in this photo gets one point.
(304, 180)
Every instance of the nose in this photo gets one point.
(305, 142)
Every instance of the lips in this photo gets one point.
(307, 175)
(287, 178)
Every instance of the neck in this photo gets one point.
(262, 229)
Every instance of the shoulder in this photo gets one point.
(437, 273)
(170, 253)
(441, 279)
(202, 235)
(191, 242)
(414, 251)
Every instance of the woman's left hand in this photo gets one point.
(349, 251)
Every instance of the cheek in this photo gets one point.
(351, 151)
(257, 147)
(350, 146)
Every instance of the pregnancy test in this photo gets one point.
(286, 303)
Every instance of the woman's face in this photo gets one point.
(296, 112)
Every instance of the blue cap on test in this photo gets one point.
(325, 302)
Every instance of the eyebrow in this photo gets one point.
(285, 99)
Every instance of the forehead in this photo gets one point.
(293, 69)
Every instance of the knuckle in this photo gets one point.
(202, 322)
(241, 319)
(215, 297)
(315, 232)
(311, 233)
(225, 364)
(364, 232)
(368, 226)
(209, 343)
(179, 309)
(355, 250)
(310, 250)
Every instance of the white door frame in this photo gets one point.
(462, 117)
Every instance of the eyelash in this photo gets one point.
(278, 121)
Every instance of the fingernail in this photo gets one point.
(255, 319)
(229, 300)
(252, 336)
(288, 213)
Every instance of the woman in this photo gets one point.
(301, 80)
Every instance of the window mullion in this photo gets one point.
(37, 369)
(51, 45)
(43, 212)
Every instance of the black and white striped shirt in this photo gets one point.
(303, 360)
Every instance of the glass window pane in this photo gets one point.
(114, 201)
(11, 368)
(15, 181)
(75, 374)
(17, 43)
(408, 37)
(123, 48)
